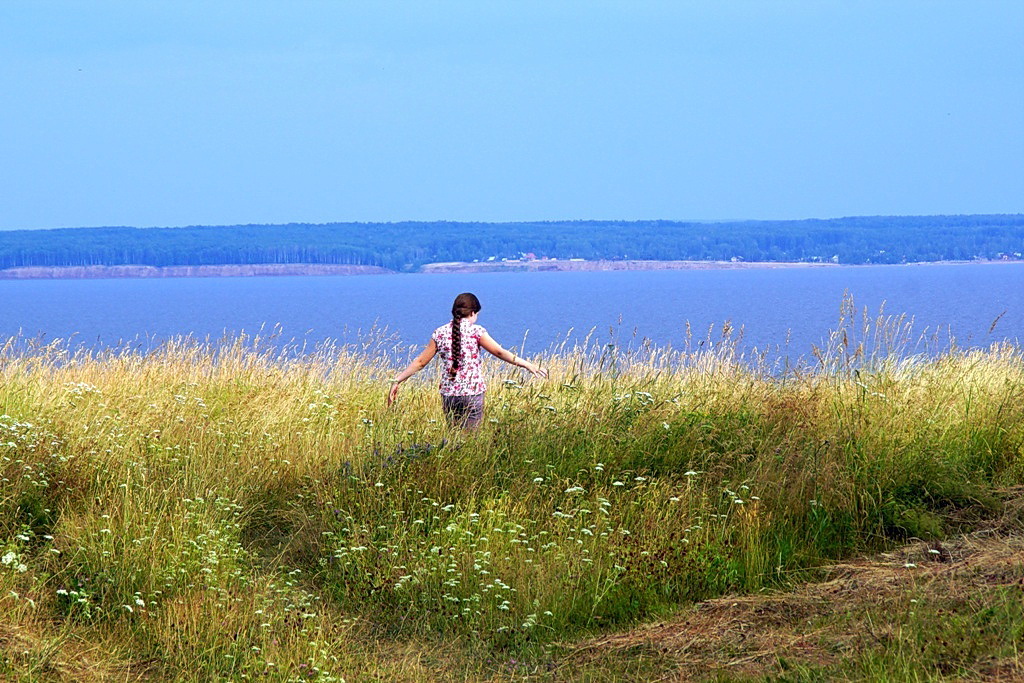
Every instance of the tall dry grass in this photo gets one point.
(231, 511)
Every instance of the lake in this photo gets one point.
(772, 305)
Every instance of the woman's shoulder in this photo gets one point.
(444, 330)
(477, 330)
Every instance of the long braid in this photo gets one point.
(466, 304)
(456, 346)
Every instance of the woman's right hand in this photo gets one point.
(393, 393)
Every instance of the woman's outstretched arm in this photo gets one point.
(496, 350)
(415, 366)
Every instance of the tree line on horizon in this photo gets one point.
(405, 246)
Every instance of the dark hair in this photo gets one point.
(466, 304)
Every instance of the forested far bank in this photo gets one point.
(407, 246)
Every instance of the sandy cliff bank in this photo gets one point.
(92, 272)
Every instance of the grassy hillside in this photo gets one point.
(232, 513)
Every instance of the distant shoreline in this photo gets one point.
(569, 265)
(455, 267)
(233, 270)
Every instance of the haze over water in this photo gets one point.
(771, 305)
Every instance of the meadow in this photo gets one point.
(236, 511)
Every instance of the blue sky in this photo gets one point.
(182, 113)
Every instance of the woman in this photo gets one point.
(459, 343)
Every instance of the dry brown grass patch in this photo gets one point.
(819, 623)
(45, 656)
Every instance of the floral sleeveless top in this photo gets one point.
(469, 380)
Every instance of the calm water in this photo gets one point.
(801, 305)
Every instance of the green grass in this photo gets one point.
(208, 513)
